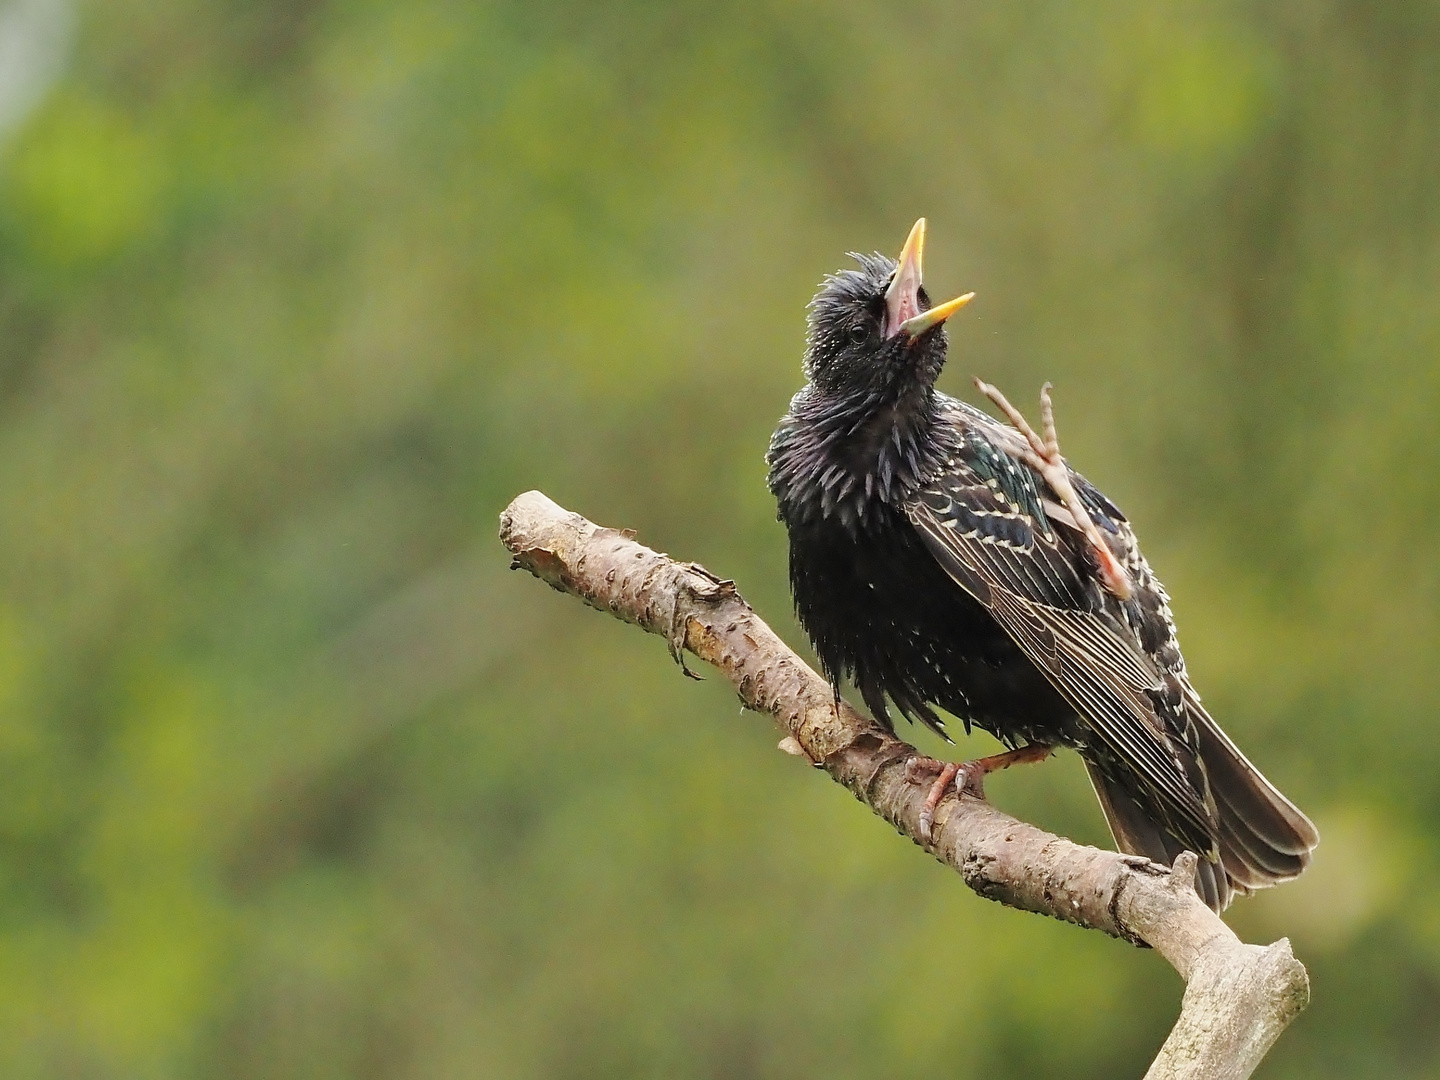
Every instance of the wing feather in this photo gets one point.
(982, 521)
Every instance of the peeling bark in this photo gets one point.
(1238, 997)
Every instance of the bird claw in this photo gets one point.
(959, 774)
(1044, 457)
(967, 778)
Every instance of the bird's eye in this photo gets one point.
(859, 335)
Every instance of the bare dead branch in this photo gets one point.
(1238, 997)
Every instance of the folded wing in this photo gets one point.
(983, 520)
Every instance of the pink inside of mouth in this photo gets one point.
(908, 307)
(904, 304)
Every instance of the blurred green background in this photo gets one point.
(296, 780)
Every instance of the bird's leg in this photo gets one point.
(1044, 457)
(967, 776)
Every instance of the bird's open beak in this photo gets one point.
(902, 298)
(939, 313)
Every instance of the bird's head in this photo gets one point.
(874, 328)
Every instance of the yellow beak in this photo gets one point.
(938, 314)
(902, 298)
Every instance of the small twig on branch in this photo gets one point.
(1238, 997)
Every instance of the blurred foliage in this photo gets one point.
(297, 781)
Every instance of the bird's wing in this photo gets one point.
(984, 521)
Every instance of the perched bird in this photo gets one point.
(939, 557)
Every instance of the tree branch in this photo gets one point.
(1238, 997)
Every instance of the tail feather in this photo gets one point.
(1260, 814)
(1239, 847)
(1250, 864)
(1137, 833)
(1263, 838)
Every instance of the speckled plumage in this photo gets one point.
(934, 566)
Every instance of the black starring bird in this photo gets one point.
(939, 557)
